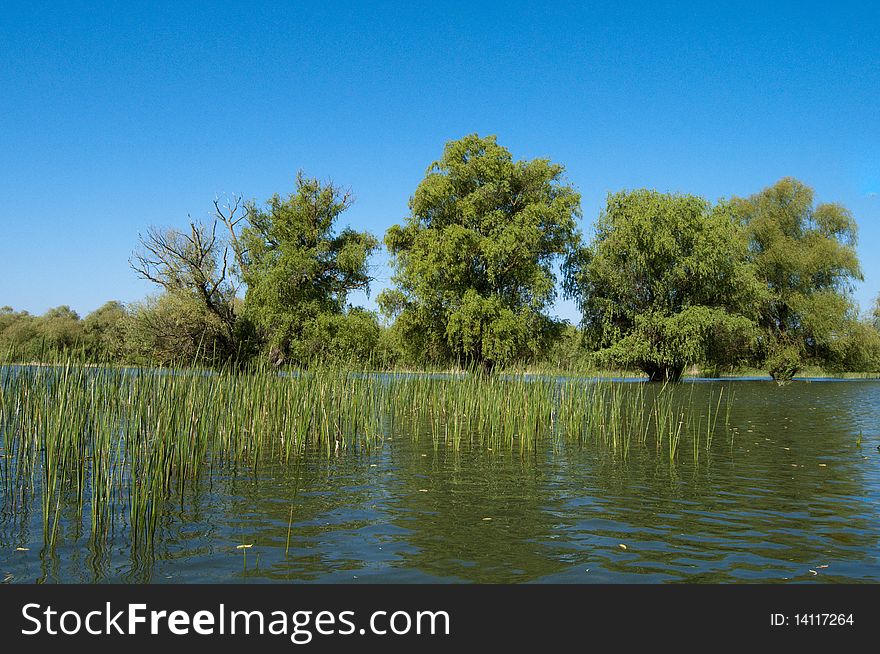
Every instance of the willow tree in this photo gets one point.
(806, 256)
(297, 267)
(474, 260)
(664, 284)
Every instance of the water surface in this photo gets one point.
(785, 495)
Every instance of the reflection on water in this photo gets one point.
(787, 495)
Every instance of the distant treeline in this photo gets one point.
(664, 281)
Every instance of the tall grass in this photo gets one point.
(122, 446)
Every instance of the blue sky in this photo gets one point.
(114, 119)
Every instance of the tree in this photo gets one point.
(61, 328)
(474, 261)
(19, 335)
(296, 267)
(175, 329)
(104, 331)
(349, 338)
(806, 256)
(857, 349)
(195, 267)
(568, 352)
(875, 314)
(664, 284)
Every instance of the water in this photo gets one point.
(785, 496)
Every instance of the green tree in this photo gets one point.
(104, 331)
(61, 328)
(349, 338)
(175, 329)
(857, 349)
(568, 352)
(875, 314)
(297, 268)
(806, 256)
(25, 337)
(474, 261)
(664, 284)
(19, 335)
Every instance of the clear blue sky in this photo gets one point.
(114, 119)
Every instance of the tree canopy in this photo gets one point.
(296, 266)
(474, 260)
(25, 337)
(806, 257)
(664, 283)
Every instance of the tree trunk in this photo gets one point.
(658, 372)
(486, 367)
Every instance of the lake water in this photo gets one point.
(787, 495)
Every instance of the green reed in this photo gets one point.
(123, 446)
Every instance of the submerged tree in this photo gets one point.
(474, 261)
(664, 284)
(806, 256)
(296, 266)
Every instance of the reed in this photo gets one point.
(122, 446)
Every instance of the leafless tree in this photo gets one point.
(232, 213)
(195, 262)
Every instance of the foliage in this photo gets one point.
(28, 338)
(25, 337)
(663, 284)
(175, 329)
(567, 352)
(806, 256)
(667, 281)
(349, 338)
(474, 259)
(19, 334)
(875, 314)
(60, 328)
(298, 269)
(857, 350)
(104, 332)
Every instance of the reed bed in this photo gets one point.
(122, 446)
